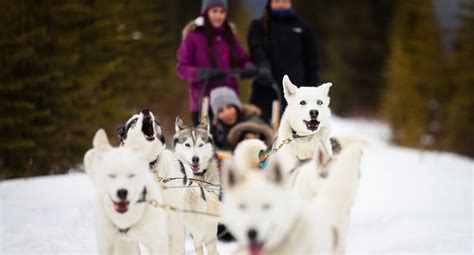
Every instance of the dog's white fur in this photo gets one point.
(332, 184)
(112, 169)
(337, 195)
(300, 102)
(282, 222)
(310, 177)
(203, 228)
(167, 166)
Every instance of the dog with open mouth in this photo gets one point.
(305, 121)
(143, 132)
(266, 218)
(124, 186)
(195, 148)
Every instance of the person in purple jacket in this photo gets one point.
(208, 48)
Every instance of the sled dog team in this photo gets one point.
(298, 203)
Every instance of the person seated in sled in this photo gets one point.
(234, 121)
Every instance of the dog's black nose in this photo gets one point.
(195, 160)
(313, 114)
(122, 194)
(252, 235)
(146, 111)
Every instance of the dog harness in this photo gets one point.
(159, 178)
(263, 155)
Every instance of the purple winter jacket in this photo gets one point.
(193, 54)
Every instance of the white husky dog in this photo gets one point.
(332, 184)
(143, 131)
(194, 147)
(124, 185)
(267, 218)
(338, 193)
(336, 180)
(305, 122)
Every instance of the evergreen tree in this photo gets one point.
(72, 67)
(416, 76)
(460, 117)
(352, 44)
(26, 104)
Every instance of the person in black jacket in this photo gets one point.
(280, 44)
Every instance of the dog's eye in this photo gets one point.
(303, 102)
(187, 145)
(242, 206)
(112, 176)
(266, 206)
(131, 176)
(319, 102)
(133, 123)
(200, 145)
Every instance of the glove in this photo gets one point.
(210, 74)
(264, 77)
(249, 71)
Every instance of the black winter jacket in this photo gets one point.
(290, 49)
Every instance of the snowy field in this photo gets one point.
(409, 202)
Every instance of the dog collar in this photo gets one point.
(295, 135)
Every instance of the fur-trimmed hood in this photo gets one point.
(199, 22)
(250, 110)
(252, 123)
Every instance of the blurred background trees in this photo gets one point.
(416, 79)
(352, 42)
(71, 67)
(459, 117)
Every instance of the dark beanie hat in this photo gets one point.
(207, 4)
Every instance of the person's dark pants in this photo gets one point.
(263, 97)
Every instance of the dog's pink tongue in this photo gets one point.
(122, 206)
(256, 249)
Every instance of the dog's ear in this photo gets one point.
(322, 158)
(231, 174)
(275, 173)
(204, 124)
(159, 132)
(325, 87)
(100, 141)
(121, 132)
(89, 158)
(179, 124)
(289, 88)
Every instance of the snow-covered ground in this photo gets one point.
(409, 201)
